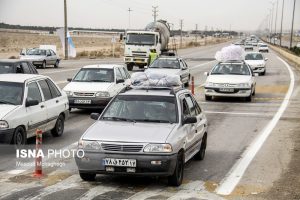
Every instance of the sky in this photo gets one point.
(238, 15)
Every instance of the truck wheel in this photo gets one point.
(130, 66)
(176, 178)
(58, 130)
(87, 176)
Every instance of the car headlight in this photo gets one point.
(3, 125)
(69, 93)
(102, 94)
(89, 145)
(158, 148)
(244, 85)
(209, 84)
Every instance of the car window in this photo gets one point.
(165, 63)
(46, 90)
(25, 68)
(34, 92)
(52, 52)
(48, 53)
(198, 109)
(231, 69)
(94, 75)
(185, 109)
(6, 68)
(123, 72)
(11, 93)
(53, 89)
(191, 105)
(118, 74)
(19, 68)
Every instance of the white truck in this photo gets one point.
(138, 43)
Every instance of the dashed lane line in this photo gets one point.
(233, 177)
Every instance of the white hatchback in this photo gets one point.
(27, 103)
(257, 62)
(95, 85)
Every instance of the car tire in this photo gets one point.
(208, 98)
(263, 73)
(87, 176)
(187, 84)
(176, 178)
(56, 65)
(253, 94)
(19, 137)
(249, 98)
(58, 130)
(44, 64)
(201, 154)
(129, 67)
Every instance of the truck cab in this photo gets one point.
(138, 45)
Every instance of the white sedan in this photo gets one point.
(230, 79)
(257, 62)
(171, 66)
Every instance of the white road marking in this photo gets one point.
(233, 177)
(237, 113)
(96, 191)
(16, 171)
(58, 71)
(60, 82)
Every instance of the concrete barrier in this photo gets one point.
(289, 56)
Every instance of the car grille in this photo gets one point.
(84, 94)
(139, 53)
(121, 147)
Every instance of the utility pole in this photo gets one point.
(181, 24)
(196, 33)
(291, 41)
(155, 11)
(281, 22)
(129, 10)
(66, 31)
(271, 21)
(276, 19)
(205, 35)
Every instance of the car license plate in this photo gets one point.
(226, 90)
(80, 101)
(119, 162)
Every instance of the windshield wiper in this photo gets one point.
(154, 120)
(119, 119)
(6, 102)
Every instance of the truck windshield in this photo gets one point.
(142, 108)
(140, 39)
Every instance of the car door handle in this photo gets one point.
(57, 101)
(42, 106)
(196, 131)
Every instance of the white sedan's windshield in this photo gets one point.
(95, 75)
(142, 109)
(230, 69)
(11, 93)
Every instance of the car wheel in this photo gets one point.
(253, 94)
(44, 64)
(19, 137)
(176, 178)
(249, 98)
(208, 98)
(87, 176)
(201, 154)
(56, 64)
(58, 130)
(263, 73)
(188, 82)
(130, 66)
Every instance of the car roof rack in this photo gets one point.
(173, 90)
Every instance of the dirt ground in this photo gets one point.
(90, 46)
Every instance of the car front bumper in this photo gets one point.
(37, 62)
(92, 162)
(6, 135)
(96, 103)
(258, 69)
(238, 92)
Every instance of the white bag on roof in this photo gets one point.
(152, 79)
(232, 52)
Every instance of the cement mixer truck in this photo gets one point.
(138, 43)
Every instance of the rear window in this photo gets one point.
(6, 68)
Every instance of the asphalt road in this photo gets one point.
(233, 125)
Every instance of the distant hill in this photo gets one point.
(51, 29)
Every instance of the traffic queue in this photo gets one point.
(164, 124)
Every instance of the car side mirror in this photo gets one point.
(120, 81)
(189, 120)
(95, 116)
(30, 103)
(69, 79)
(48, 55)
(266, 59)
(206, 74)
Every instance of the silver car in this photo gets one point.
(148, 132)
(41, 57)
